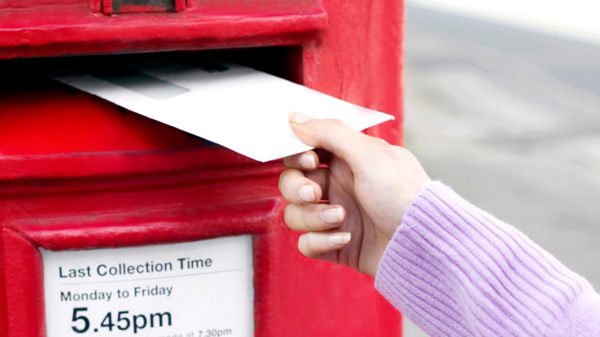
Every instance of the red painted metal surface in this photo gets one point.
(360, 58)
(69, 27)
(77, 172)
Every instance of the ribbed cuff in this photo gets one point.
(455, 270)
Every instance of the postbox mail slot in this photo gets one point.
(40, 108)
(141, 6)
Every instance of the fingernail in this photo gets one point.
(298, 118)
(307, 161)
(307, 193)
(339, 239)
(332, 215)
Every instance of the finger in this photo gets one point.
(314, 218)
(302, 161)
(291, 180)
(297, 189)
(315, 244)
(332, 135)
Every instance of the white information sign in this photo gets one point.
(194, 289)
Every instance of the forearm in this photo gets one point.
(455, 270)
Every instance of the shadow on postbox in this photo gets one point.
(113, 224)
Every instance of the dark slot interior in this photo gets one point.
(284, 62)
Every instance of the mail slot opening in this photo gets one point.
(284, 62)
(82, 123)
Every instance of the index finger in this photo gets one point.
(332, 135)
(307, 161)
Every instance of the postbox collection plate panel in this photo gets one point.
(200, 289)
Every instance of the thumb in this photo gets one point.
(332, 135)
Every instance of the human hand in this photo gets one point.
(368, 186)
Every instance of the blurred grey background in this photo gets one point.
(511, 120)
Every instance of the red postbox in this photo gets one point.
(78, 173)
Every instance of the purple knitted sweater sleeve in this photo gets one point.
(455, 270)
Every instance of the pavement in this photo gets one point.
(511, 120)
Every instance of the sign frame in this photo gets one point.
(22, 269)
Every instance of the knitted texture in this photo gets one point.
(455, 270)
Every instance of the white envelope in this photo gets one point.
(237, 107)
